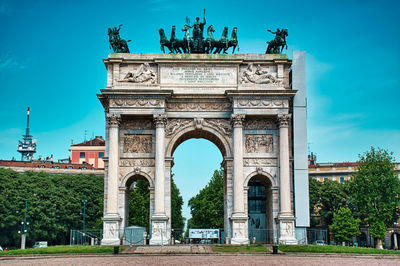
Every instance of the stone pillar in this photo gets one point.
(286, 217)
(396, 247)
(239, 218)
(159, 219)
(112, 219)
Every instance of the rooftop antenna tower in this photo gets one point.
(27, 146)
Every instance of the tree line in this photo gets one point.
(55, 206)
(370, 199)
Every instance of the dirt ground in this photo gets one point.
(202, 260)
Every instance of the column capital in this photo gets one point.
(160, 120)
(237, 120)
(113, 119)
(283, 120)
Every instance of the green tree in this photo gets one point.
(177, 220)
(315, 199)
(344, 225)
(207, 207)
(139, 207)
(333, 196)
(54, 205)
(139, 204)
(375, 190)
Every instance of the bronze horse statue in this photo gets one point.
(165, 42)
(221, 43)
(117, 44)
(276, 45)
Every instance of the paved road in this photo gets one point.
(204, 260)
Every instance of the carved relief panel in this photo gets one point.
(259, 143)
(142, 74)
(138, 144)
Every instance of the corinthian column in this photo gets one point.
(159, 233)
(112, 219)
(159, 121)
(286, 218)
(238, 204)
(113, 121)
(239, 218)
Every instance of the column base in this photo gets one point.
(287, 229)
(159, 234)
(111, 234)
(240, 234)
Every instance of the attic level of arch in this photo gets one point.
(206, 73)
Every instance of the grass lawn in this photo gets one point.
(61, 250)
(335, 249)
(251, 248)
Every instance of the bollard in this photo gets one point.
(274, 249)
(116, 250)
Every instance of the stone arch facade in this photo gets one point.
(246, 111)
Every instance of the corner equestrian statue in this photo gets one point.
(117, 44)
(197, 44)
(276, 45)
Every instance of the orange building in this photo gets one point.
(90, 152)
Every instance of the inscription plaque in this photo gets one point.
(203, 74)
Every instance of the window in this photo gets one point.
(342, 179)
(101, 154)
(83, 168)
(57, 167)
(81, 155)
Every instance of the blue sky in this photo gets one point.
(51, 60)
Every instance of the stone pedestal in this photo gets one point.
(111, 230)
(287, 230)
(159, 233)
(239, 230)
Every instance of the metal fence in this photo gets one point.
(88, 237)
(317, 234)
(265, 236)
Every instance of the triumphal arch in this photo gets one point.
(245, 104)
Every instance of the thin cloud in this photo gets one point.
(9, 61)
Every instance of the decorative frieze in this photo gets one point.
(137, 102)
(136, 162)
(136, 124)
(259, 143)
(199, 106)
(259, 124)
(257, 103)
(259, 162)
(138, 144)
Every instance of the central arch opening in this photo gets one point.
(260, 209)
(197, 161)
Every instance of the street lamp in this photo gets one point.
(24, 228)
(84, 210)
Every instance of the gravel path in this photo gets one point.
(203, 260)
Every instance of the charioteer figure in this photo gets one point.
(276, 45)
